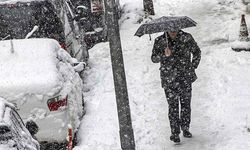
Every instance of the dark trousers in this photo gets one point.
(180, 93)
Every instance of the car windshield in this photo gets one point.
(16, 21)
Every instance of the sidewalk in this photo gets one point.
(220, 103)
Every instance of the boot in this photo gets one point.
(187, 134)
(175, 138)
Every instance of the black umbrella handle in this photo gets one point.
(166, 35)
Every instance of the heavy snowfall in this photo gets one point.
(220, 100)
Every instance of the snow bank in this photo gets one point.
(241, 45)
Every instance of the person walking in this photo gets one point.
(179, 56)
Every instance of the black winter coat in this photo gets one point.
(179, 65)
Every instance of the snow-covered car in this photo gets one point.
(90, 15)
(13, 133)
(44, 18)
(42, 79)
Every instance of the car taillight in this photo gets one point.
(70, 139)
(63, 45)
(56, 102)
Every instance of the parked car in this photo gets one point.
(13, 133)
(43, 18)
(43, 81)
(91, 17)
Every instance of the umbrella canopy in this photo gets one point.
(165, 24)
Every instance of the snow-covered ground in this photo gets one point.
(220, 103)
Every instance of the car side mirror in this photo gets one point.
(79, 66)
(77, 17)
(81, 12)
(32, 127)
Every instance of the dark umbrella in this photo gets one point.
(165, 24)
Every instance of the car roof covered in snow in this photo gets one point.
(29, 66)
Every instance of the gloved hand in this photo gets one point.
(167, 52)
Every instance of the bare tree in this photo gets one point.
(149, 7)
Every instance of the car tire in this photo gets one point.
(53, 146)
(75, 139)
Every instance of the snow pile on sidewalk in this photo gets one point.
(220, 103)
(241, 45)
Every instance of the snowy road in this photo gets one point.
(220, 104)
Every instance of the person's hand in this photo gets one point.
(167, 52)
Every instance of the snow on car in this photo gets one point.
(41, 79)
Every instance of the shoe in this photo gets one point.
(187, 134)
(175, 138)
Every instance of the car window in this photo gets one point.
(18, 127)
(17, 118)
(15, 132)
(16, 124)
